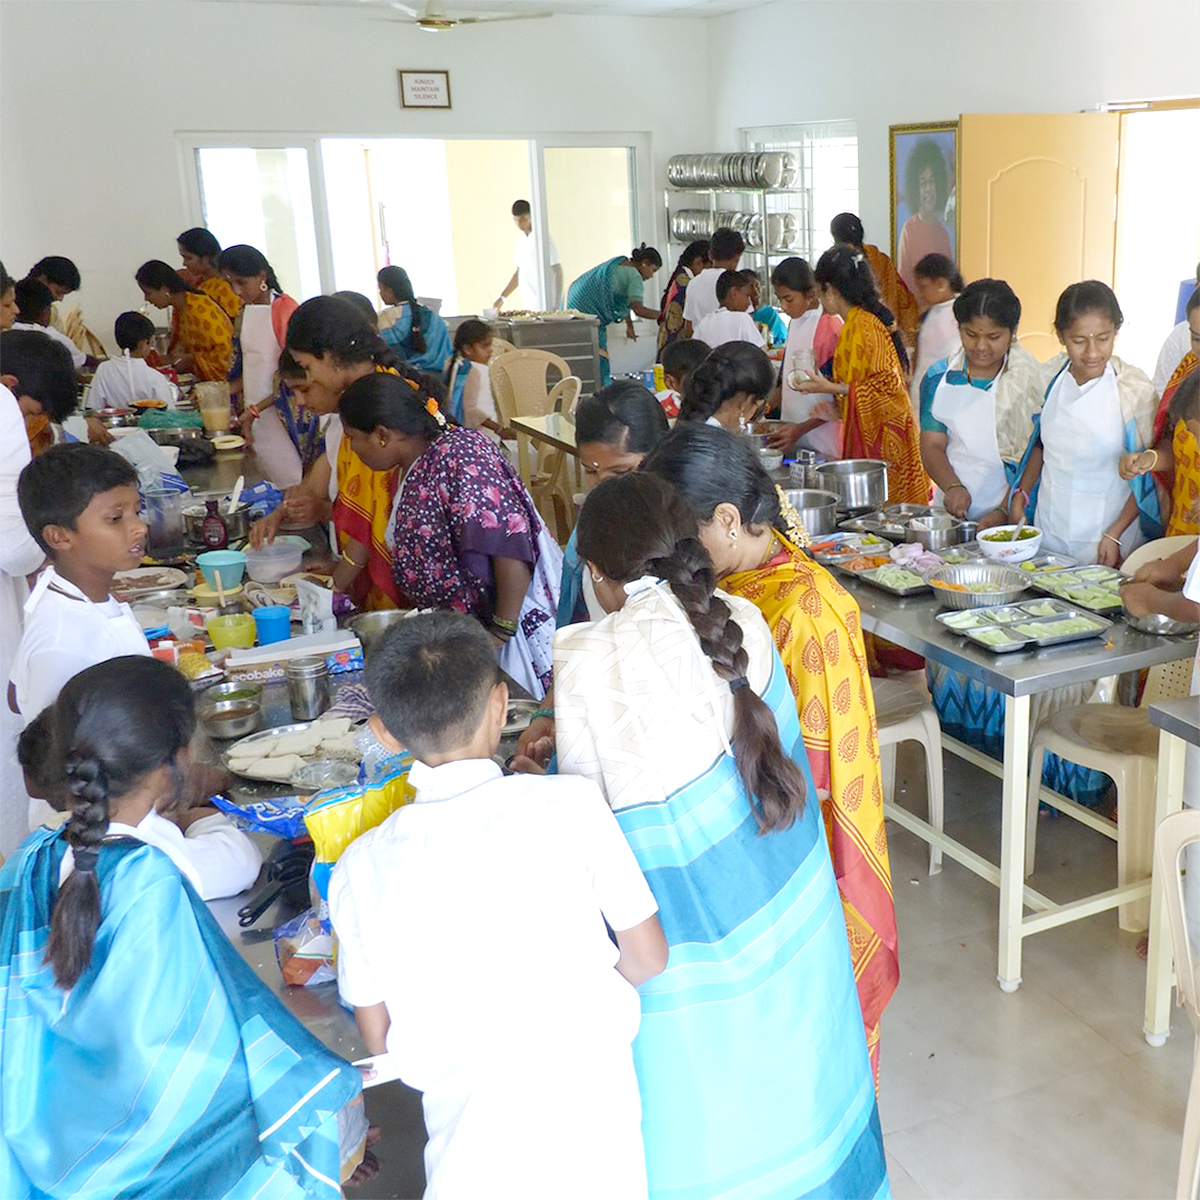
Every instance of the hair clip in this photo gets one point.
(85, 861)
(738, 682)
(412, 383)
(432, 408)
(791, 518)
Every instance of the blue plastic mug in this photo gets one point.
(274, 624)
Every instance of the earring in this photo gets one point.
(733, 535)
(597, 578)
(262, 287)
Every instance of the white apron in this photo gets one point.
(796, 406)
(1083, 437)
(969, 415)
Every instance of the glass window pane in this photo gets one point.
(262, 197)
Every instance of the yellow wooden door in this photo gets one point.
(1037, 207)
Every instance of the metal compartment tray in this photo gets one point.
(870, 576)
(1030, 614)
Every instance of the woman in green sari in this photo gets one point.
(613, 292)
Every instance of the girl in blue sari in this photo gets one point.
(139, 1054)
(613, 292)
(417, 334)
(751, 1056)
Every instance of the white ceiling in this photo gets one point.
(591, 8)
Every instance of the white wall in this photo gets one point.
(88, 149)
(891, 62)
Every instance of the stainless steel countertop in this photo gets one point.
(1179, 717)
(910, 623)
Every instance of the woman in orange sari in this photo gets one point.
(201, 333)
(201, 252)
(1175, 457)
(871, 398)
(334, 344)
(817, 629)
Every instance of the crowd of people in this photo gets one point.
(687, 865)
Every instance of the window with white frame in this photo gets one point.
(827, 183)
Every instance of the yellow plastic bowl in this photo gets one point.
(233, 632)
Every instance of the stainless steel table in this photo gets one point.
(1178, 724)
(910, 623)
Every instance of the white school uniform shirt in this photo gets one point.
(529, 277)
(120, 381)
(725, 326)
(1081, 494)
(78, 358)
(1177, 344)
(937, 338)
(65, 633)
(475, 915)
(701, 296)
(794, 406)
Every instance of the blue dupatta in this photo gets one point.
(751, 1056)
(438, 347)
(168, 1070)
(572, 607)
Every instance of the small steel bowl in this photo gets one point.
(934, 532)
(369, 627)
(1160, 624)
(231, 718)
(1008, 585)
(247, 691)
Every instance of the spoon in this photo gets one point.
(235, 495)
(219, 589)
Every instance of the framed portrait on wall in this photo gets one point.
(923, 170)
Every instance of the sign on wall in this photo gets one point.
(424, 89)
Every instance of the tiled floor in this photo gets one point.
(1048, 1092)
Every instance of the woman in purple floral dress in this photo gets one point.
(466, 535)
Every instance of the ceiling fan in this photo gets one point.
(433, 18)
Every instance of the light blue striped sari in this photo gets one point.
(751, 1055)
(168, 1070)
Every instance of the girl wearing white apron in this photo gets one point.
(977, 406)
(811, 340)
(1097, 408)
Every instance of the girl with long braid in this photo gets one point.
(751, 1057)
(125, 1005)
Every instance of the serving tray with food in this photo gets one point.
(1095, 587)
(282, 755)
(1022, 625)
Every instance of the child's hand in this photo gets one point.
(1140, 599)
(1108, 552)
(539, 730)
(1130, 466)
(784, 438)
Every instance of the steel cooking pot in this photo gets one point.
(858, 483)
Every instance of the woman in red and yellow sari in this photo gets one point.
(201, 252)
(331, 340)
(201, 333)
(1175, 457)
(875, 411)
(817, 630)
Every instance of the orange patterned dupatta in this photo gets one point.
(1184, 485)
(817, 629)
(361, 513)
(878, 418)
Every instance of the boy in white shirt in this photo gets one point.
(731, 322)
(81, 505)
(34, 304)
(473, 946)
(725, 253)
(120, 381)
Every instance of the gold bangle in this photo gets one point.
(1155, 462)
(509, 627)
(1111, 538)
(358, 566)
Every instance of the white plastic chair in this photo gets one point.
(1175, 833)
(904, 715)
(1153, 551)
(1121, 742)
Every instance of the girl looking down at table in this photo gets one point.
(201, 254)
(677, 705)
(416, 333)
(729, 388)
(332, 342)
(691, 262)
(870, 396)
(817, 629)
(201, 334)
(938, 284)
(1096, 409)
(463, 531)
(978, 405)
(126, 1007)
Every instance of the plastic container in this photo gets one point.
(1010, 552)
(273, 623)
(231, 564)
(274, 562)
(234, 632)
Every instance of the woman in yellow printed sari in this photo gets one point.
(331, 340)
(817, 630)
(201, 252)
(871, 398)
(201, 333)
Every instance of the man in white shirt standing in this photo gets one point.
(725, 254)
(528, 275)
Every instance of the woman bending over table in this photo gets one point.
(751, 1059)
(142, 1056)
(978, 405)
(870, 396)
(1097, 408)
(201, 334)
(463, 531)
(818, 632)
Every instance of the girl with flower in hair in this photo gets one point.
(463, 532)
